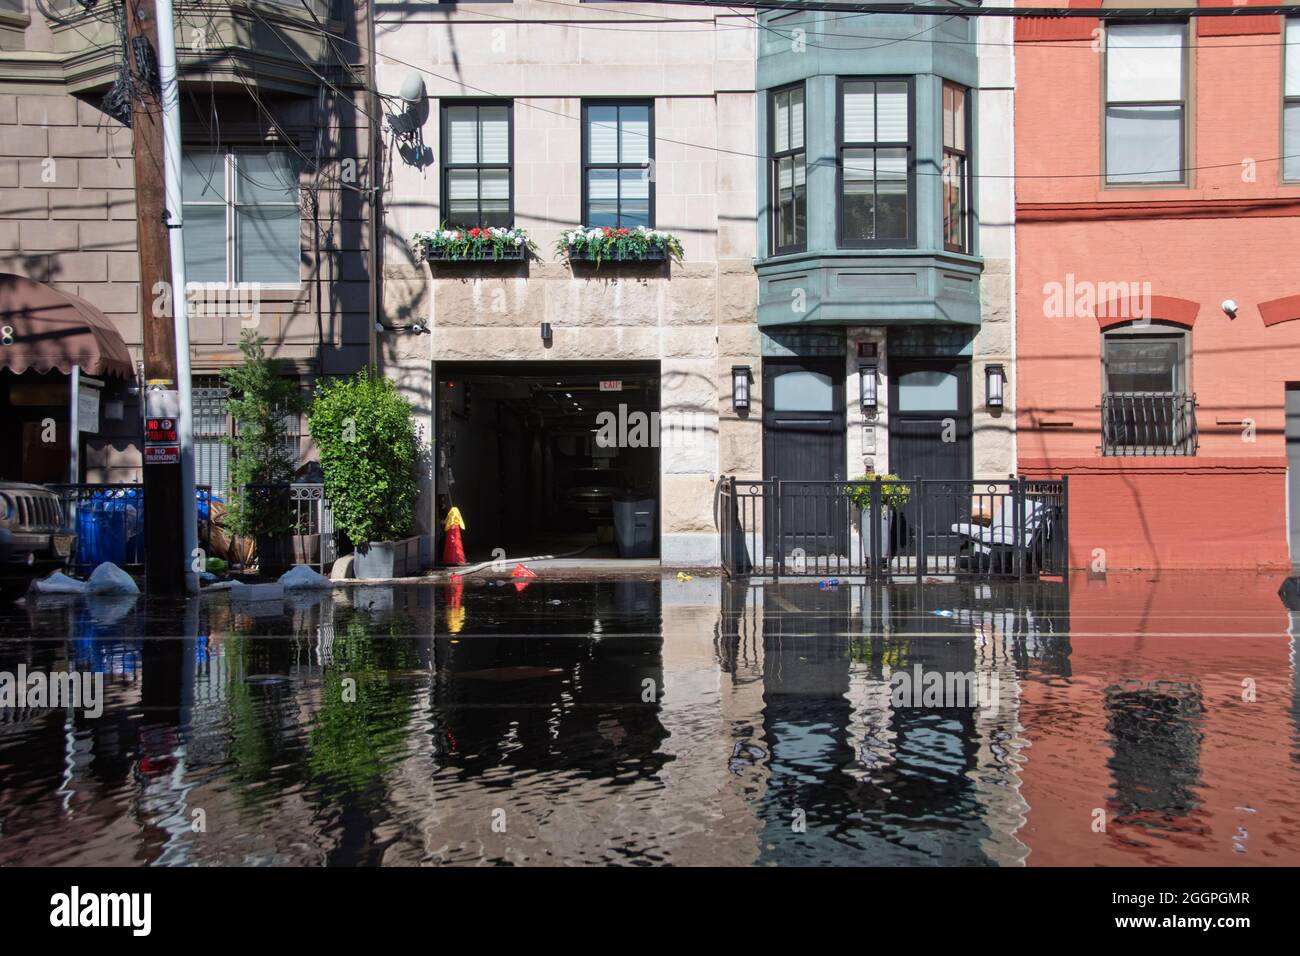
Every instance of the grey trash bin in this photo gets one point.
(634, 526)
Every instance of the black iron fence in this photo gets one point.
(301, 515)
(881, 529)
(1148, 423)
(109, 522)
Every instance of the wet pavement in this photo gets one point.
(1144, 719)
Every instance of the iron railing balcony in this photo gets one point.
(1148, 423)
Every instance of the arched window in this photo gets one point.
(1148, 407)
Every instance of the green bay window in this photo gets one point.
(788, 171)
(956, 168)
(876, 168)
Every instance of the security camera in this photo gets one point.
(1230, 308)
(379, 327)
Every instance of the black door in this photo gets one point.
(929, 437)
(803, 441)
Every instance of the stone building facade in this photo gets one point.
(673, 330)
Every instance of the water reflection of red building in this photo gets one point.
(1149, 725)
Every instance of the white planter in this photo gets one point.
(885, 520)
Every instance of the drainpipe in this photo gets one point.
(376, 164)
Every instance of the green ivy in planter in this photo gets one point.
(894, 492)
(370, 454)
(262, 402)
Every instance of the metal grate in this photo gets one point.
(211, 426)
(1148, 423)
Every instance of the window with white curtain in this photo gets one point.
(876, 167)
(1291, 102)
(617, 159)
(1146, 102)
(476, 173)
(789, 171)
(242, 221)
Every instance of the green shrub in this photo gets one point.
(370, 453)
(894, 492)
(262, 451)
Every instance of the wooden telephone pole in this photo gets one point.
(164, 553)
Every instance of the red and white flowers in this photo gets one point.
(605, 242)
(479, 243)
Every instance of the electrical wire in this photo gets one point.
(815, 163)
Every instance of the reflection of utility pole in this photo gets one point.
(165, 560)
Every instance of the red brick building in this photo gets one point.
(1158, 229)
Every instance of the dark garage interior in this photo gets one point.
(520, 451)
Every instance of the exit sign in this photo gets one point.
(613, 385)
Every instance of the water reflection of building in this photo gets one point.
(1150, 726)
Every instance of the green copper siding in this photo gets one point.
(917, 283)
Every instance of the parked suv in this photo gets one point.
(34, 537)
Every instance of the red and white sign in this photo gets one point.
(612, 385)
(162, 454)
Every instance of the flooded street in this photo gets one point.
(1135, 719)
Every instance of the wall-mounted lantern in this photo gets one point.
(740, 378)
(995, 382)
(867, 387)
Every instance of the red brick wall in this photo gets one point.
(1226, 234)
(1170, 513)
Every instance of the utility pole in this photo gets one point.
(170, 86)
(165, 560)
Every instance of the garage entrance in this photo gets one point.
(549, 457)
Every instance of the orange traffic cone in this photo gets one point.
(453, 551)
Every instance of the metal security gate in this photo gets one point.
(211, 427)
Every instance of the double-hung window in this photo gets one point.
(476, 154)
(1291, 103)
(241, 215)
(617, 164)
(788, 171)
(1146, 102)
(876, 163)
(956, 168)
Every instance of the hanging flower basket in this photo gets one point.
(618, 245)
(480, 244)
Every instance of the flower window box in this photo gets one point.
(477, 245)
(607, 244)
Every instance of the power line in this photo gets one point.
(578, 23)
(1033, 13)
(815, 163)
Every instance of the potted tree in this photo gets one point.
(894, 494)
(370, 453)
(263, 455)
